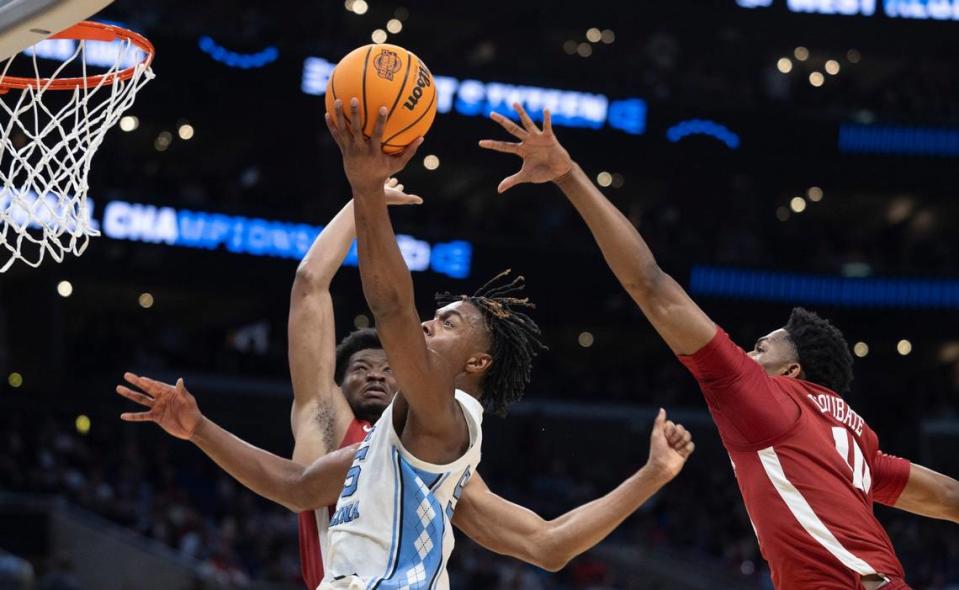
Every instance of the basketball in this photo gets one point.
(385, 75)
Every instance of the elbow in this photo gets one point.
(296, 494)
(554, 564)
(296, 501)
(308, 279)
(549, 555)
(646, 280)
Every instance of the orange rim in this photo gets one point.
(87, 31)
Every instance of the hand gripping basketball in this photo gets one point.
(366, 165)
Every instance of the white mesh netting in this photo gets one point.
(49, 137)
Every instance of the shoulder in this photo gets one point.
(356, 431)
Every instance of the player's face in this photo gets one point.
(775, 353)
(368, 384)
(456, 332)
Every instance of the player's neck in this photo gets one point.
(470, 384)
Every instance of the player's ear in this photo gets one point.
(479, 362)
(793, 370)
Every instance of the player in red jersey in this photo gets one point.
(338, 391)
(808, 466)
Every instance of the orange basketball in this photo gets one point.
(385, 75)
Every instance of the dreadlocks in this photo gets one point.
(516, 339)
(822, 350)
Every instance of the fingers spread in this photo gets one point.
(136, 417)
(500, 146)
(547, 121)
(509, 126)
(377, 137)
(510, 181)
(524, 118)
(340, 119)
(135, 396)
(356, 127)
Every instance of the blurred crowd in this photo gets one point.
(166, 490)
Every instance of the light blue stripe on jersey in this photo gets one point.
(419, 554)
(397, 481)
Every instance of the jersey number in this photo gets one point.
(861, 477)
(353, 475)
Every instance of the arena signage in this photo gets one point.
(260, 237)
(151, 224)
(908, 9)
(795, 289)
(475, 98)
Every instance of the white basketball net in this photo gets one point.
(46, 149)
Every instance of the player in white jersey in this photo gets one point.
(395, 531)
(398, 506)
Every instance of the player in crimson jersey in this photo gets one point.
(808, 466)
(339, 391)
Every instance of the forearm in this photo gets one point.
(681, 323)
(327, 252)
(264, 473)
(387, 284)
(931, 494)
(624, 249)
(581, 529)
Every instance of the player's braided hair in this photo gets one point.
(822, 350)
(516, 339)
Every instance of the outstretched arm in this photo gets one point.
(425, 380)
(320, 414)
(509, 529)
(294, 486)
(931, 494)
(681, 323)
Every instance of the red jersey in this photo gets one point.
(315, 524)
(808, 468)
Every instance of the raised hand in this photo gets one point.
(396, 196)
(670, 445)
(544, 159)
(366, 166)
(172, 407)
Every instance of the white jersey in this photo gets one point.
(391, 529)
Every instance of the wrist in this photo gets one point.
(567, 177)
(368, 188)
(200, 430)
(657, 473)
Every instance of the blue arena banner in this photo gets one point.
(260, 237)
(474, 98)
(899, 140)
(152, 224)
(942, 10)
(794, 288)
